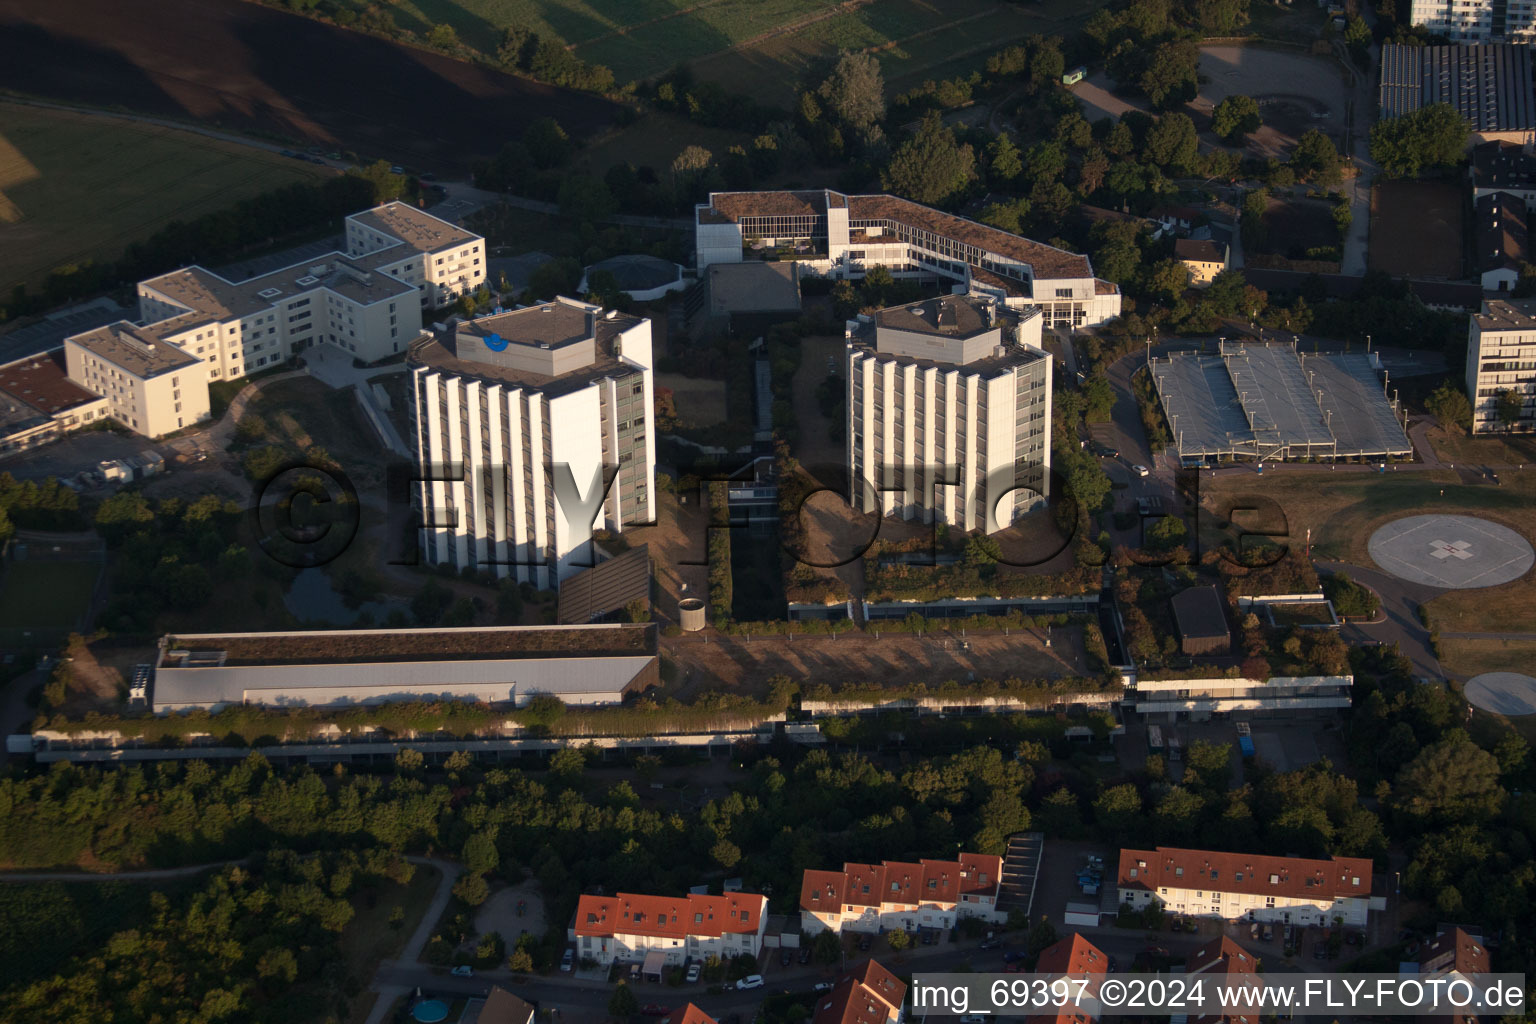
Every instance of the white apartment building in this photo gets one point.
(1251, 887)
(150, 386)
(949, 412)
(1501, 356)
(521, 420)
(840, 236)
(438, 258)
(666, 930)
(366, 301)
(875, 897)
(1477, 21)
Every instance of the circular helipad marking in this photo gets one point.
(1505, 693)
(1456, 552)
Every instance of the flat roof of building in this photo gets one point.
(416, 228)
(1199, 614)
(440, 353)
(755, 286)
(42, 382)
(950, 316)
(134, 350)
(376, 646)
(1264, 400)
(1506, 315)
(552, 324)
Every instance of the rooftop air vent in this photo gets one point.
(270, 293)
(307, 280)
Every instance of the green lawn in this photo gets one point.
(78, 187)
(46, 595)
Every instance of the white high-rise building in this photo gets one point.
(533, 428)
(1477, 21)
(1501, 357)
(949, 412)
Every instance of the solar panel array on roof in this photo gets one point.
(1491, 85)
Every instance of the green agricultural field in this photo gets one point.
(76, 187)
(43, 595)
(914, 40)
(757, 46)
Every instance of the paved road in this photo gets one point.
(1399, 621)
(117, 876)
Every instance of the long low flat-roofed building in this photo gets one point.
(588, 665)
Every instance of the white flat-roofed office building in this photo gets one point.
(531, 413)
(589, 665)
(1476, 21)
(841, 236)
(1501, 356)
(949, 412)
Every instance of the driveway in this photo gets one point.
(1399, 620)
(392, 981)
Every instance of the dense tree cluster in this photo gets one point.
(258, 942)
(168, 555)
(1431, 138)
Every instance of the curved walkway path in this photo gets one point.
(117, 876)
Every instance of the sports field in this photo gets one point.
(77, 187)
(1416, 229)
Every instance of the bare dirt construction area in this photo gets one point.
(700, 402)
(707, 661)
(1417, 229)
(251, 68)
(678, 541)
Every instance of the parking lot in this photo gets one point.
(1286, 743)
(70, 455)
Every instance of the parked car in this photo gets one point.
(1253, 931)
(693, 972)
(568, 961)
(654, 1010)
(865, 942)
(634, 972)
(1269, 933)
(463, 971)
(1320, 951)
(822, 986)
(1114, 965)
(929, 936)
(786, 957)
(990, 944)
(750, 981)
(805, 954)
